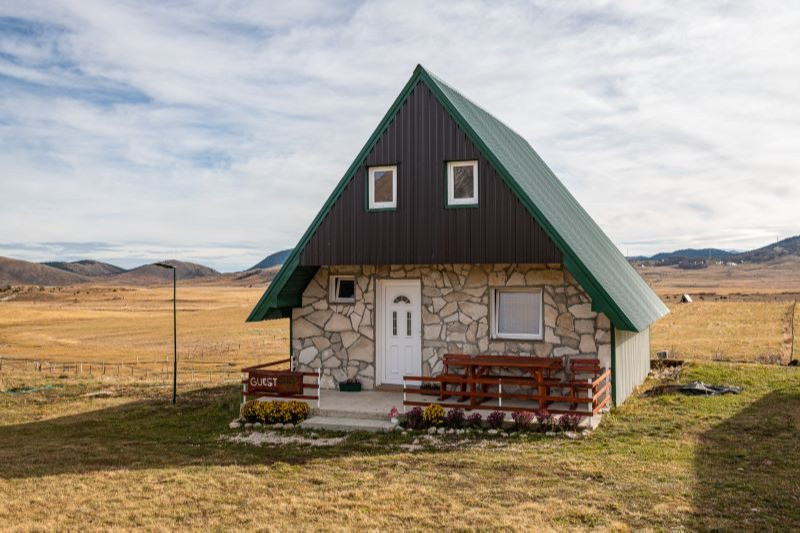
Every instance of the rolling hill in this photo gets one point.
(272, 260)
(780, 250)
(154, 275)
(692, 253)
(18, 272)
(87, 267)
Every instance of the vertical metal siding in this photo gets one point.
(632, 361)
(420, 140)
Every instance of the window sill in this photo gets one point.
(511, 337)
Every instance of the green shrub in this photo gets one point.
(433, 415)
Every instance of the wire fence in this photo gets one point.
(152, 371)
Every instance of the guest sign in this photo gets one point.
(275, 381)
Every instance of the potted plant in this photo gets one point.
(394, 416)
(351, 385)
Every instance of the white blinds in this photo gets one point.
(518, 313)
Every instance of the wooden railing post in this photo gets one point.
(500, 392)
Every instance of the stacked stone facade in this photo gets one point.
(340, 338)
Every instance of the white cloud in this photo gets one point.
(675, 124)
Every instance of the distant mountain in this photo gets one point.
(787, 248)
(782, 249)
(272, 260)
(18, 272)
(692, 253)
(87, 267)
(153, 275)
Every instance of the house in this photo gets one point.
(449, 234)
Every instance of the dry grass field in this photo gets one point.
(770, 278)
(726, 330)
(133, 326)
(70, 461)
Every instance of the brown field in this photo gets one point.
(133, 326)
(726, 330)
(766, 279)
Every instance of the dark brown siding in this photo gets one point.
(420, 140)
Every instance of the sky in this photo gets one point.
(213, 131)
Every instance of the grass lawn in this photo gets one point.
(68, 461)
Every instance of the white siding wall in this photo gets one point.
(632, 361)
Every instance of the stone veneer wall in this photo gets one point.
(455, 307)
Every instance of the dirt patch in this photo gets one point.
(274, 438)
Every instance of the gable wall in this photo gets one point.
(420, 140)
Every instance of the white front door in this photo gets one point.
(400, 322)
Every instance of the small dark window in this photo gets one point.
(343, 289)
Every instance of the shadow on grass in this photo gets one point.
(748, 468)
(146, 434)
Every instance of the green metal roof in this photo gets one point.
(615, 287)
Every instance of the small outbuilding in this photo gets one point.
(686, 299)
(448, 234)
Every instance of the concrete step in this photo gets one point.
(346, 424)
(344, 413)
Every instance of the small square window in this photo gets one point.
(343, 289)
(382, 187)
(517, 314)
(462, 183)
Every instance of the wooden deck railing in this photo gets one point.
(593, 394)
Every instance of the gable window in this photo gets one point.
(382, 185)
(343, 289)
(516, 314)
(462, 183)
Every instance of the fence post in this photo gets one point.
(500, 392)
(319, 386)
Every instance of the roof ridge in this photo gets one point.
(440, 81)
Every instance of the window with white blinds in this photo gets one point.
(517, 314)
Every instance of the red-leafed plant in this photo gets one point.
(455, 418)
(414, 419)
(475, 420)
(523, 420)
(495, 419)
(569, 422)
(545, 420)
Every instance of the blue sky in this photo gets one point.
(213, 132)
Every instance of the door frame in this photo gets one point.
(380, 345)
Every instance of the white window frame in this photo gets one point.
(451, 194)
(494, 301)
(333, 285)
(371, 186)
